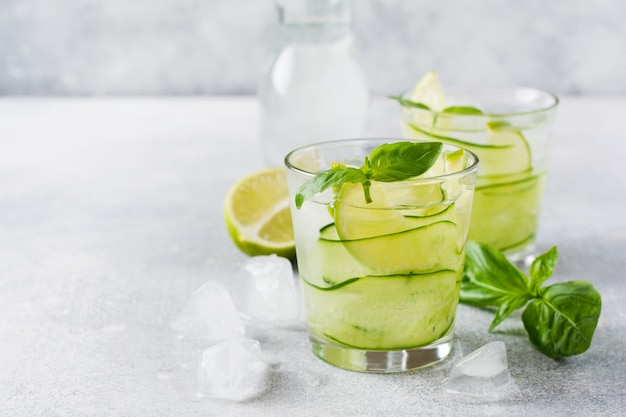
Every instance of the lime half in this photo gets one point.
(257, 216)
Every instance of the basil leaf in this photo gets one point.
(402, 160)
(409, 103)
(542, 268)
(508, 306)
(326, 179)
(463, 110)
(489, 278)
(562, 321)
(561, 318)
(388, 162)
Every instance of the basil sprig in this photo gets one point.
(560, 319)
(459, 110)
(389, 162)
(409, 103)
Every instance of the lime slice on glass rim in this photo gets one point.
(428, 91)
(428, 100)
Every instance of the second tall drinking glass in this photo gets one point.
(509, 130)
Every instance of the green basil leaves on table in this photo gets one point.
(560, 319)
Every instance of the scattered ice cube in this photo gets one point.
(233, 370)
(210, 314)
(483, 374)
(266, 291)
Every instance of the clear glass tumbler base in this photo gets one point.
(523, 258)
(382, 361)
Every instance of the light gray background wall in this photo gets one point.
(78, 47)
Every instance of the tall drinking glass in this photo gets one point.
(509, 130)
(381, 280)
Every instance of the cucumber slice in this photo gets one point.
(335, 263)
(419, 133)
(338, 264)
(506, 151)
(507, 214)
(390, 238)
(425, 248)
(491, 180)
(443, 212)
(329, 232)
(517, 159)
(385, 312)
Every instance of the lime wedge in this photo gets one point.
(257, 216)
(428, 91)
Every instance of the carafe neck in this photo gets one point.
(314, 21)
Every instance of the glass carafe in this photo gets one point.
(314, 88)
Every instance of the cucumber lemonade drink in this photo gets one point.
(380, 228)
(509, 131)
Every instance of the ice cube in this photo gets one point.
(483, 374)
(266, 291)
(210, 314)
(233, 370)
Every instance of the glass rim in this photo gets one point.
(477, 92)
(473, 166)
